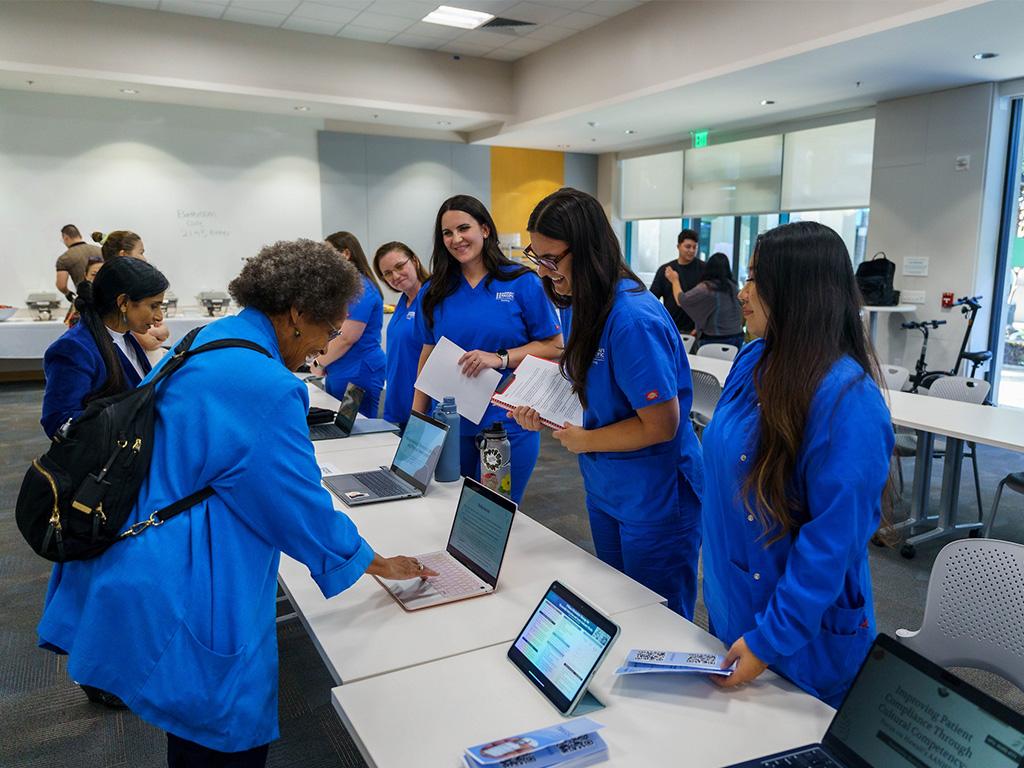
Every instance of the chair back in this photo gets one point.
(962, 388)
(896, 377)
(974, 612)
(687, 342)
(720, 351)
(706, 391)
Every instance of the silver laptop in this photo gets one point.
(410, 471)
(469, 565)
(903, 711)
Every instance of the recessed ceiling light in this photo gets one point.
(981, 56)
(443, 122)
(302, 109)
(128, 90)
(563, 146)
(630, 131)
(766, 102)
(457, 17)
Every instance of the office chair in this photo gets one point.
(720, 351)
(1015, 482)
(895, 377)
(688, 342)
(974, 611)
(706, 391)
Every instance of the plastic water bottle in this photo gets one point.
(495, 459)
(449, 467)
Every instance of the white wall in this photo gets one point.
(107, 164)
(922, 206)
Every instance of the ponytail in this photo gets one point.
(85, 303)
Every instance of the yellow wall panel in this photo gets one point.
(521, 178)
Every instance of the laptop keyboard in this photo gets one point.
(381, 483)
(324, 430)
(452, 579)
(811, 758)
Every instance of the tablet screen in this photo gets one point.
(562, 645)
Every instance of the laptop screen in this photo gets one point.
(348, 408)
(419, 450)
(483, 521)
(902, 711)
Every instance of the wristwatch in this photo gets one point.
(503, 354)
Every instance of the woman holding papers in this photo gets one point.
(356, 354)
(640, 459)
(796, 462)
(494, 309)
(399, 267)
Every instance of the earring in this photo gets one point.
(124, 318)
(297, 333)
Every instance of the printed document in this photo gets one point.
(539, 384)
(442, 377)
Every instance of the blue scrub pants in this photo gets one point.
(525, 447)
(370, 381)
(661, 553)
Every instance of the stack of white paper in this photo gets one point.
(638, 662)
(568, 745)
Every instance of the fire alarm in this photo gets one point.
(947, 300)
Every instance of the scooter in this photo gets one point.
(922, 377)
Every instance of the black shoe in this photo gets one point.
(105, 698)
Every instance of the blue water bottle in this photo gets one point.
(448, 467)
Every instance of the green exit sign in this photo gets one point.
(700, 138)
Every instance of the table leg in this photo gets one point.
(950, 496)
(922, 482)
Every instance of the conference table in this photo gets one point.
(25, 339)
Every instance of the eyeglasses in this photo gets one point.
(335, 332)
(386, 274)
(548, 262)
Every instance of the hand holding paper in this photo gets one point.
(540, 385)
(442, 377)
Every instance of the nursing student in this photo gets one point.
(639, 456)
(356, 354)
(494, 309)
(397, 265)
(796, 461)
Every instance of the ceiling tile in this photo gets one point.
(537, 13)
(503, 54)
(370, 20)
(266, 6)
(314, 26)
(192, 8)
(406, 9)
(435, 31)
(322, 12)
(610, 7)
(551, 34)
(150, 4)
(485, 37)
(579, 20)
(496, 7)
(246, 16)
(466, 49)
(415, 41)
(362, 33)
(525, 45)
(355, 5)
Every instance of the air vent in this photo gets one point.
(499, 24)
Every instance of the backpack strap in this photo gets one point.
(161, 516)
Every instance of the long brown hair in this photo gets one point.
(804, 279)
(346, 241)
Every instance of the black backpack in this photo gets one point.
(874, 278)
(77, 496)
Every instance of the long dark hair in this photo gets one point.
(346, 241)
(578, 219)
(98, 299)
(718, 272)
(805, 281)
(446, 271)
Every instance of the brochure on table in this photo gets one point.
(686, 662)
(568, 745)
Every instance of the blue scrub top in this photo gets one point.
(803, 604)
(503, 314)
(366, 351)
(403, 357)
(639, 362)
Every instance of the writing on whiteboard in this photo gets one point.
(199, 224)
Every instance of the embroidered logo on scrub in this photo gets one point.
(652, 395)
(410, 315)
(599, 355)
(505, 296)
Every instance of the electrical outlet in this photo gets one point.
(911, 297)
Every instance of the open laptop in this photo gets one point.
(342, 425)
(903, 711)
(469, 565)
(410, 470)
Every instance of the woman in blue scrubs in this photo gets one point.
(796, 462)
(356, 355)
(397, 265)
(640, 459)
(494, 309)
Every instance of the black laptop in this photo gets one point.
(347, 421)
(903, 711)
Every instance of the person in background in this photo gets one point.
(712, 304)
(796, 462)
(93, 268)
(397, 265)
(98, 357)
(639, 456)
(179, 620)
(688, 269)
(494, 309)
(97, 237)
(71, 264)
(356, 355)
(124, 243)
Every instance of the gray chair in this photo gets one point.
(720, 351)
(1015, 482)
(896, 377)
(688, 342)
(706, 391)
(974, 611)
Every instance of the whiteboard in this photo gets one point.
(204, 188)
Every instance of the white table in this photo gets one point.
(25, 339)
(874, 311)
(425, 716)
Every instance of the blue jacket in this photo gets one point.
(803, 604)
(180, 620)
(74, 369)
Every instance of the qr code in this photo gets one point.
(575, 745)
(650, 655)
(518, 762)
(708, 659)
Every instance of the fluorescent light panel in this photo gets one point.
(457, 17)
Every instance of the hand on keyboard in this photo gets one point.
(398, 567)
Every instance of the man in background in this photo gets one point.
(74, 261)
(689, 268)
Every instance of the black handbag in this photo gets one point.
(874, 279)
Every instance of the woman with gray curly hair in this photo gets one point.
(180, 622)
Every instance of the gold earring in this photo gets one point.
(297, 333)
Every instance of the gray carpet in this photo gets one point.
(48, 722)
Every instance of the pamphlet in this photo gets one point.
(442, 377)
(638, 662)
(569, 745)
(539, 384)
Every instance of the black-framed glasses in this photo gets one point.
(335, 332)
(386, 274)
(548, 262)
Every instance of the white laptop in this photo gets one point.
(469, 565)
